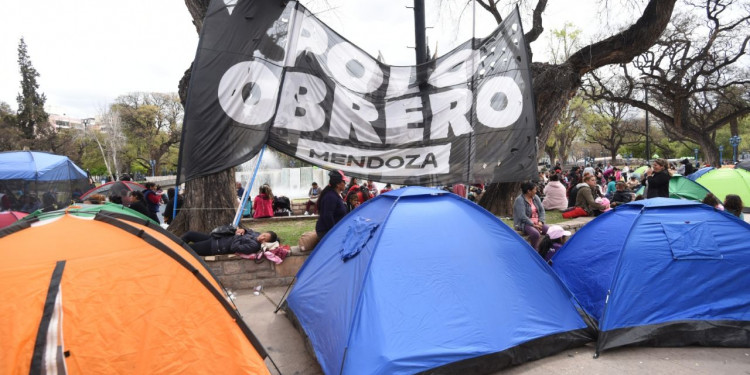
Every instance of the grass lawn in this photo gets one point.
(291, 230)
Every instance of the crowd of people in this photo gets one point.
(590, 192)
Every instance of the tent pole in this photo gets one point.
(283, 298)
(238, 215)
(174, 205)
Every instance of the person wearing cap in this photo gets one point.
(552, 241)
(331, 207)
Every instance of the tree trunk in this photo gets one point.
(498, 198)
(708, 149)
(209, 202)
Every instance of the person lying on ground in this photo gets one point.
(222, 241)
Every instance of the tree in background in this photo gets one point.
(153, 125)
(110, 140)
(568, 129)
(31, 117)
(610, 128)
(696, 79)
(11, 136)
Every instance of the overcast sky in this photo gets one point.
(89, 52)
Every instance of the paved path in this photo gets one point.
(286, 348)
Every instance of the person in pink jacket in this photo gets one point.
(555, 194)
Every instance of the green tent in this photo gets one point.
(727, 181)
(681, 187)
(88, 210)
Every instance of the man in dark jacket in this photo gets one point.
(244, 241)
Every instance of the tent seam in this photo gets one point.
(358, 306)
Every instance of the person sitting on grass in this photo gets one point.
(222, 241)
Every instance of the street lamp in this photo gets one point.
(721, 155)
(734, 141)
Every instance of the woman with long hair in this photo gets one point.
(263, 203)
(657, 179)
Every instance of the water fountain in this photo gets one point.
(292, 182)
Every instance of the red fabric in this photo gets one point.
(262, 206)
(576, 212)
(153, 197)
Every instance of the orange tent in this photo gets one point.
(114, 295)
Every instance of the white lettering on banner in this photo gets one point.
(299, 107)
(312, 36)
(351, 111)
(449, 109)
(499, 102)
(407, 162)
(353, 68)
(457, 69)
(398, 115)
(260, 104)
(400, 79)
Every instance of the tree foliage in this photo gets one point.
(694, 75)
(31, 117)
(153, 124)
(610, 127)
(567, 130)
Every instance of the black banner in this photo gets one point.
(277, 75)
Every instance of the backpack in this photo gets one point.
(282, 206)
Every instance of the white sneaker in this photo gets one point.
(307, 213)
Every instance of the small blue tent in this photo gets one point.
(662, 272)
(53, 178)
(418, 279)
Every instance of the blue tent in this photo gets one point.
(419, 279)
(38, 166)
(54, 178)
(694, 176)
(662, 272)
